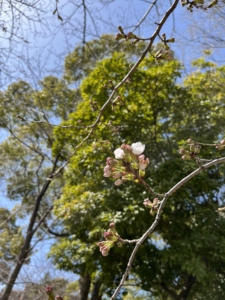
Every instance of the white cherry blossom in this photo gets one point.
(119, 153)
(138, 148)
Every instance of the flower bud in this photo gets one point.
(119, 244)
(141, 173)
(130, 35)
(164, 37)
(212, 3)
(172, 40)
(222, 142)
(181, 151)
(192, 147)
(128, 176)
(119, 36)
(112, 225)
(118, 182)
(147, 203)
(197, 149)
(120, 29)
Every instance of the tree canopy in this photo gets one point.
(179, 259)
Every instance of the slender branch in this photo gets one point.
(145, 15)
(132, 70)
(154, 224)
(28, 146)
(24, 252)
(42, 219)
(150, 190)
(9, 217)
(63, 234)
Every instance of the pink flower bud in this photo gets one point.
(117, 174)
(108, 235)
(126, 147)
(181, 151)
(107, 173)
(112, 225)
(118, 182)
(155, 201)
(48, 288)
(105, 252)
(222, 142)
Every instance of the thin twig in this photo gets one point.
(154, 224)
(132, 70)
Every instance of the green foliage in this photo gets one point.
(187, 247)
(11, 240)
(162, 114)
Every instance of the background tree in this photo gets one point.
(37, 101)
(179, 260)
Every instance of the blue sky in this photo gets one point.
(51, 40)
(46, 50)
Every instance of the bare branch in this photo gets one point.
(154, 224)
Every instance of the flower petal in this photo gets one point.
(138, 148)
(119, 153)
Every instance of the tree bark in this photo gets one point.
(95, 291)
(187, 288)
(85, 283)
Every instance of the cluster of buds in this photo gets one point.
(152, 205)
(221, 145)
(197, 4)
(111, 238)
(192, 153)
(129, 163)
(94, 105)
(109, 85)
(128, 36)
(117, 101)
(163, 55)
(50, 294)
(166, 41)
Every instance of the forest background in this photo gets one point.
(60, 69)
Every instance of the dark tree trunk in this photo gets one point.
(187, 288)
(95, 295)
(85, 283)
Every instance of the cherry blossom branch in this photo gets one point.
(132, 70)
(157, 219)
(149, 189)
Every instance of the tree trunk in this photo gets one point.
(85, 283)
(187, 288)
(95, 291)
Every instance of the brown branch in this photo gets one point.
(64, 234)
(24, 252)
(154, 224)
(132, 70)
